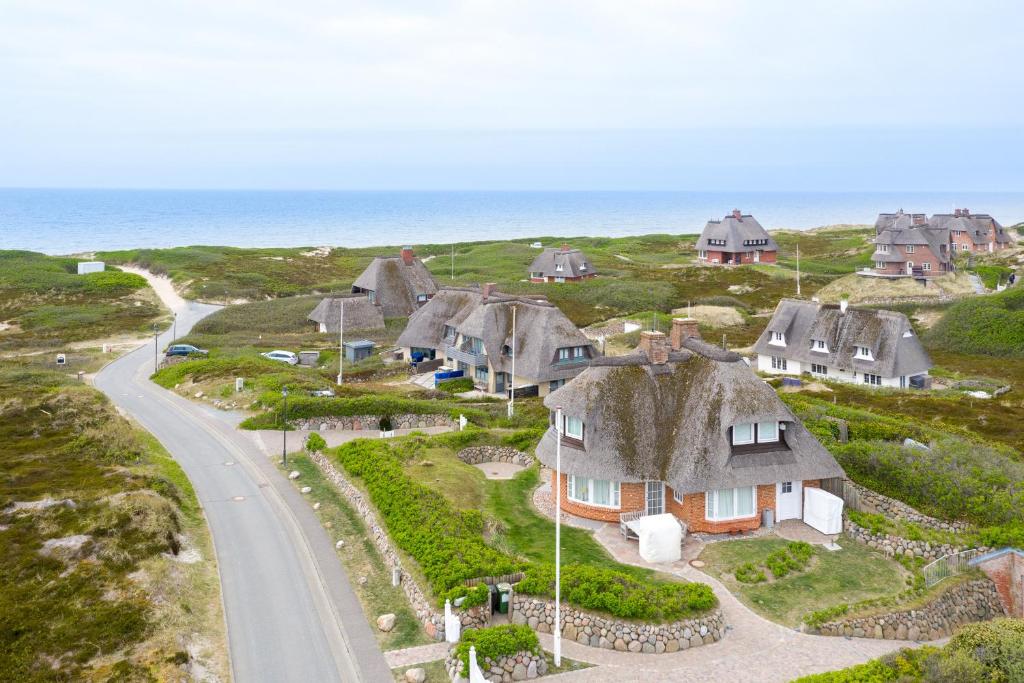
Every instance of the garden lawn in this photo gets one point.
(843, 577)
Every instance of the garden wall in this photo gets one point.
(897, 545)
(518, 667)
(612, 634)
(870, 501)
(964, 603)
(372, 422)
(475, 455)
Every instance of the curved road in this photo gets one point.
(290, 610)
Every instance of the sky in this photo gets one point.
(531, 94)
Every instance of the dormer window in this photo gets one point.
(884, 248)
(421, 298)
(864, 353)
(747, 433)
(583, 266)
(777, 339)
(571, 353)
(449, 332)
(571, 427)
(819, 345)
(506, 350)
(559, 268)
(371, 295)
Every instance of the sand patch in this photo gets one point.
(318, 252)
(715, 316)
(867, 289)
(163, 287)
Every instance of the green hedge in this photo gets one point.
(992, 275)
(496, 641)
(301, 407)
(457, 385)
(620, 594)
(991, 325)
(474, 596)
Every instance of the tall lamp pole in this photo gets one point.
(512, 383)
(175, 326)
(284, 427)
(156, 349)
(341, 339)
(558, 537)
(798, 269)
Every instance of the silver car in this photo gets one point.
(282, 357)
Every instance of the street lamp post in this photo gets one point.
(512, 382)
(284, 427)
(156, 349)
(341, 340)
(558, 537)
(175, 334)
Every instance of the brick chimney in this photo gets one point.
(681, 329)
(965, 212)
(487, 288)
(655, 346)
(565, 247)
(737, 214)
(956, 212)
(918, 219)
(407, 255)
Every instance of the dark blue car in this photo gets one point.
(185, 350)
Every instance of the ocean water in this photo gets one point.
(72, 221)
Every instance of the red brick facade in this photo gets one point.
(961, 242)
(567, 279)
(719, 257)
(921, 255)
(1007, 573)
(691, 510)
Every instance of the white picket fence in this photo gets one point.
(475, 674)
(947, 566)
(452, 624)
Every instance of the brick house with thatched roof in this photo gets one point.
(681, 427)
(398, 284)
(561, 265)
(471, 329)
(738, 238)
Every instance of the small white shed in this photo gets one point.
(85, 267)
(661, 537)
(823, 511)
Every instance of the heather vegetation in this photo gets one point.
(992, 325)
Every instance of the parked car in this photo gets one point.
(282, 356)
(185, 350)
(322, 393)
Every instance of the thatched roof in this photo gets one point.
(573, 262)
(360, 314)
(670, 422)
(541, 329)
(735, 229)
(397, 283)
(896, 349)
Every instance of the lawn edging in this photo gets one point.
(595, 630)
(963, 603)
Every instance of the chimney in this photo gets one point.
(565, 247)
(407, 255)
(681, 329)
(843, 304)
(918, 219)
(965, 212)
(956, 213)
(655, 346)
(737, 214)
(487, 288)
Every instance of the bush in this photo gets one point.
(991, 276)
(748, 573)
(496, 641)
(620, 594)
(822, 616)
(998, 645)
(474, 596)
(315, 443)
(793, 558)
(990, 325)
(457, 385)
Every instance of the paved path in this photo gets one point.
(420, 654)
(290, 610)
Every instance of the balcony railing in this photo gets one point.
(468, 357)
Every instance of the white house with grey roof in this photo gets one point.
(398, 284)
(865, 346)
(738, 238)
(561, 265)
(471, 329)
(680, 427)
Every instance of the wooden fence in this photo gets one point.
(493, 580)
(842, 488)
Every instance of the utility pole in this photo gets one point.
(175, 334)
(284, 427)
(341, 338)
(557, 630)
(512, 383)
(798, 269)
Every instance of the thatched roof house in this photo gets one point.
(675, 422)
(561, 265)
(360, 314)
(863, 345)
(737, 238)
(471, 329)
(398, 284)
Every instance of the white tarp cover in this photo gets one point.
(661, 537)
(823, 511)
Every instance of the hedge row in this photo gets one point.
(495, 642)
(449, 546)
(303, 407)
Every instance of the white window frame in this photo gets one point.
(927, 265)
(870, 379)
(864, 352)
(909, 248)
(572, 435)
(583, 266)
(884, 248)
(819, 369)
(559, 268)
(711, 504)
(778, 339)
(753, 434)
(880, 265)
(574, 484)
(779, 363)
(819, 346)
(774, 439)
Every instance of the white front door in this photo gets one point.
(757, 256)
(789, 498)
(655, 497)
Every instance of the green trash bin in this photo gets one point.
(505, 594)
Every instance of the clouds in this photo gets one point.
(130, 76)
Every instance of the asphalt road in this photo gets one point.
(291, 613)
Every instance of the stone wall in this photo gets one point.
(521, 666)
(613, 634)
(474, 455)
(870, 501)
(962, 604)
(894, 546)
(372, 422)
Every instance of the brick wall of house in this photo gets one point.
(631, 497)
(715, 256)
(812, 483)
(691, 511)
(744, 257)
(922, 254)
(1007, 573)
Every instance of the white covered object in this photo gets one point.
(823, 511)
(661, 537)
(85, 267)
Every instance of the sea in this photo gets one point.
(69, 221)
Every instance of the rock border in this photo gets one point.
(521, 666)
(615, 634)
(875, 502)
(371, 423)
(476, 455)
(964, 603)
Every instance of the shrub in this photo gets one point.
(992, 275)
(873, 522)
(748, 573)
(457, 385)
(822, 616)
(474, 596)
(496, 641)
(113, 282)
(990, 325)
(315, 443)
(998, 645)
(620, 594)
